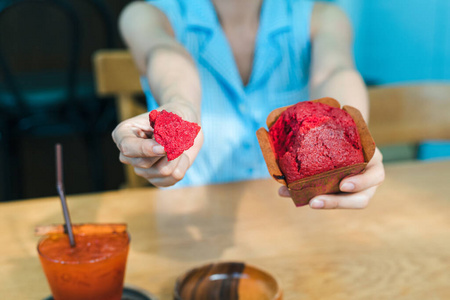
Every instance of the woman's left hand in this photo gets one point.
(357, 190)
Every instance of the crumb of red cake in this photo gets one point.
(172, 132)
(311, 138)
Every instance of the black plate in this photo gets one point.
(130, 293)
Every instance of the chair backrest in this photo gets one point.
(409, 114)
(116, 75)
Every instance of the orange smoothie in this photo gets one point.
(93, 270)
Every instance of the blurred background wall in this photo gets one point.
(401, 40)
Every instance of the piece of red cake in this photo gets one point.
(311, 138)
(172, 132)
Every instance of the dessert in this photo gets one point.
(172, 132)
(311, 138)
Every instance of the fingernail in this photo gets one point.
(158, 150)
(316, 203)
(347, 187)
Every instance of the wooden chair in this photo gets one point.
(409, 114)
(116, 75)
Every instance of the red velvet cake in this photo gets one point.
(172, 132)
(311, 138)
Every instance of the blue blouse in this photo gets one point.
(232, 112)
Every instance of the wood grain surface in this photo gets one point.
(397, 248)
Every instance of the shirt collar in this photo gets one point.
(274, 18)
(201, 15)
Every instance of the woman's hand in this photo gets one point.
(134, 139)
(357, 190)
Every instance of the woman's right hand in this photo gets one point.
(134, 139)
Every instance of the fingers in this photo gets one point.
(132, 138)
(132, 127)
(165, 173)
(284, 191)
(139, 162)
(372, 176)
(133, 147)
(354, 200)
(138, 149)
(331, 201)
(357, 190)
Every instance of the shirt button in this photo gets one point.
(242, 107)
(246, 145)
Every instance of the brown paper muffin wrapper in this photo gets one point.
(303, 190)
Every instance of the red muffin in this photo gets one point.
(172, 132)
(311, 138)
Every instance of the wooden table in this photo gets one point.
(397, 248)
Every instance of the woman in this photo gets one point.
(226, 64)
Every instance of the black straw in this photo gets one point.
(62, 196)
